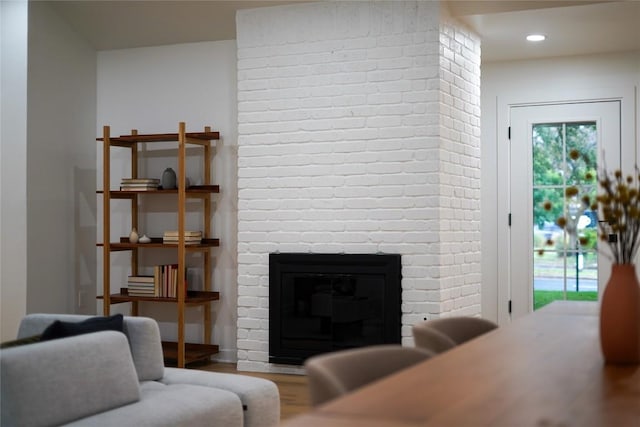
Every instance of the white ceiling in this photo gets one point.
(572, 27)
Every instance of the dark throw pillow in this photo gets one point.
(60, 329)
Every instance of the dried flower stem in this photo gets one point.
(621, 211)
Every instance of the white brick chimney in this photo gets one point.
(358, 132)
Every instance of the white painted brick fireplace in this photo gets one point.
(358, 132)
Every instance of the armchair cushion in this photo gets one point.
(260, 397)
(143, 334)
(171, 406)
(58, 381)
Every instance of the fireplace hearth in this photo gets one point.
(326, 302)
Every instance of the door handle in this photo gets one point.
(611, 237)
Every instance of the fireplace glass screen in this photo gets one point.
(326, 302)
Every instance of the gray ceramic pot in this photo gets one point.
(168, 179)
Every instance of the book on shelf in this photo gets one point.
(139, 184)
(166, 280)
(187, 233)
(140, 181)
(145, 292)
(138, 293)
(187, 241)
(138, 187)
(141, 285)
(140, 279)
(135, 291)
(190, 237)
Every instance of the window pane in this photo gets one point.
(548, 154)
(548, 206)
(579, 277)
(581, 138)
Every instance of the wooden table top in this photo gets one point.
(544, 370)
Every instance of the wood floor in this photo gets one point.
(294, 396)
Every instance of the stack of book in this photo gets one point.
(190, 237)
(166, 280)
(139, 184)
(163, 283)
(143, 286)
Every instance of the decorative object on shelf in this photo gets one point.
(133, 236)
(168, 179)
(618, 205)
(144, 239)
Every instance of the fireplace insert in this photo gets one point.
(326, 302)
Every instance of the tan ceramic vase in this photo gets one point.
(620, 316)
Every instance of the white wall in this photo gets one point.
(151, 90)
(61, 210)
(358, 133)
(13, 165)
(555, 79)
(48, 185)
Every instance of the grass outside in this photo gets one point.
(542, 298)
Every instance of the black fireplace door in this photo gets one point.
(325, 302)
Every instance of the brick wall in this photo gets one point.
(358, 132)
(459, 169)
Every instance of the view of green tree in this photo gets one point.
(581, 137)
(548, 154)
(551, 144)
(541, 216)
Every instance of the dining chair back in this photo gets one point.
(442, 334)
(331, 375)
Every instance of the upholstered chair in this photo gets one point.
(440, 335)
(331, 375)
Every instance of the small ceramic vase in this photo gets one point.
(133, 236)
(144, 239)
(168, 179)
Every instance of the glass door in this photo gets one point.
(555, 148)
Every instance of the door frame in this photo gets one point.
(628, 150)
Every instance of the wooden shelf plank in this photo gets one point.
(195, 190)
(120, 194)
(156, 242)
(193, 352)
(128, 140)
(193, 297)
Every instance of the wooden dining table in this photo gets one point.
(544, 369)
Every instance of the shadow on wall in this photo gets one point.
(85, 254)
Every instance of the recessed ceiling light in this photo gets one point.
(536, 37)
